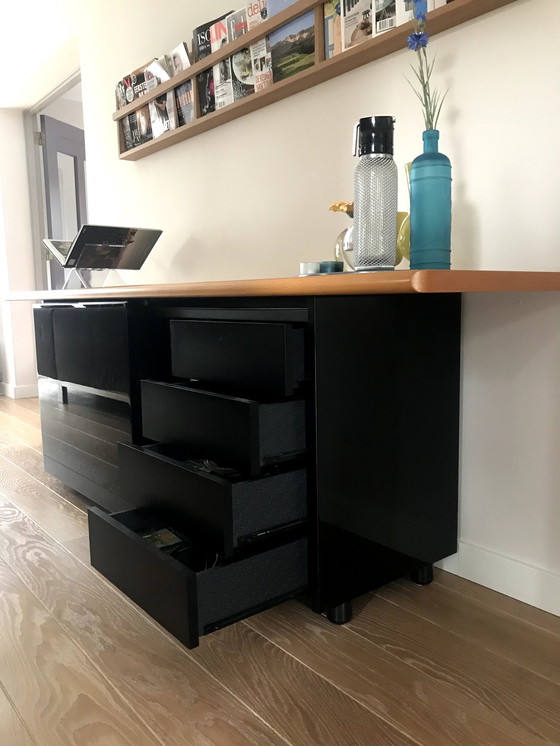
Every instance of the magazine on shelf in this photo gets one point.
(104, 247)
(241, 66)
(135, 134)
(261, 59)
(205, 80)
(144, 124)
(127, 133)
(356, 22)
(333, 28)
(184, 103)
(292, 46)
(178, 59)
(385, 15)
(162, 114)
(155, 74)
(223, 81)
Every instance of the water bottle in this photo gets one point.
(375, 195)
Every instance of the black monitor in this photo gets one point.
(104, 247)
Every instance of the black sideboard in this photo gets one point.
(297, 446)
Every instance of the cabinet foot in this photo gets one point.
(422, 575)
(340, 614)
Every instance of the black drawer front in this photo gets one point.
(256, 358)
(234, 432)
(187, 602)
(223, 512)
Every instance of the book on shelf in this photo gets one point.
(333, 28)
(385, 15)
(223, 81)
(184, 103)
(144, 124)
(356, 22)
(178, 59)
(202, 47)
(292, 46)
(243, 78)
(261, 59)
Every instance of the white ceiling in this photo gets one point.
(31, 32)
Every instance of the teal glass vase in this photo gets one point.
(430, 207)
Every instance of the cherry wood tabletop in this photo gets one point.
(351, 283)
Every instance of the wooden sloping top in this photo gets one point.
(368, 283)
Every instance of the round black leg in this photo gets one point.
(340, 614)
(423, 575)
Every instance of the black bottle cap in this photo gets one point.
(374, 135)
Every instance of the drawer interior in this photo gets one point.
(190, 593)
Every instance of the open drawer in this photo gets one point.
(190, 602)
(235, 432)
(224, 511)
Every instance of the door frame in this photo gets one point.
(35, 169)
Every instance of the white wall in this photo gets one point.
(17, 353)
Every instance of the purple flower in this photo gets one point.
(421, 17)
(415, 41)
(420, 8)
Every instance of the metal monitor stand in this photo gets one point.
(85, 277)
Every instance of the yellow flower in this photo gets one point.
(347, 207)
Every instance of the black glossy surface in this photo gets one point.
(235, 432)
(256, 358)
(190, 602)
(226, 512)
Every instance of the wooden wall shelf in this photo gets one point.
(442, 19)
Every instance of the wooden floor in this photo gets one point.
(450, 663)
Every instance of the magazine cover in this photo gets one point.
(178, 59)
(241, 66)
(205, 80)
(356, 22)
(155, 74)
(134, 131)
(292, 47)
(261, 59)
(333, 28)
(184, 103)
(162, 114)
(385, 15)
(120, 94)
(144, 124)
(223, 82)
(127, 134)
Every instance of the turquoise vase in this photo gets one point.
(430, 207)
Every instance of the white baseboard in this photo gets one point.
(533, 585)
(19, 392)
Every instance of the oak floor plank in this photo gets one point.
(59, 518)
(24, 413)
(31, 461)
(499, 601)
(59, 696)
(30, 402)
(502, 634)
(162, 681)
(79, 548)
(21, 431)
(308, 710)
(422, 707)
(12, 731)
(523, 698)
